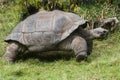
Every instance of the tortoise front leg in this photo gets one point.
(79, 46)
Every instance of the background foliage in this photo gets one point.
(30, 7)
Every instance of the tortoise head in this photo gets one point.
(98, 33)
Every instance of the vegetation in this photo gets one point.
(103, 63)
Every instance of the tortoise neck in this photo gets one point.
(90, 34)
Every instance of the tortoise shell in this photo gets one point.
(45, 28)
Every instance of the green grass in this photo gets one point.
(103, 63)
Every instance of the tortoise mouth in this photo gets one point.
(104, 36)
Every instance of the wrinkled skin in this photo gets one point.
(80, 41)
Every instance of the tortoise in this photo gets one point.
(52, 30)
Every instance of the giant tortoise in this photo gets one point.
(52, 30)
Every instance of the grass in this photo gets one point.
(103, 63)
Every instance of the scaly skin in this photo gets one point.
(12, 50)
(77, 44)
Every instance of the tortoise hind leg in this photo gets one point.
(12, 51)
